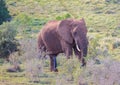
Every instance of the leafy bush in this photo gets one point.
(4, 13)
(8, 43)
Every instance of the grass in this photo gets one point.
(103, 22)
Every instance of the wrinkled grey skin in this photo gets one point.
(63, 36)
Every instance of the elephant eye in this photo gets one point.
(75, 25)
(75, 33)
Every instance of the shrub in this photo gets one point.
(69, 69)
(33, 66)
(4, 13)
(8, 43)
(106, 73)
(116, 44)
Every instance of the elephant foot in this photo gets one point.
(51, 69)
(54, 70)
(83, 64)
(53, 64)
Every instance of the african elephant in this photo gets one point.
(64, 37)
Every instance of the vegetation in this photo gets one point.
(8, 43)
(4, 13)
(103, 22)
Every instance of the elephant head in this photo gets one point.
(74, 32)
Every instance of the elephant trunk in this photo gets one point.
(85, 51)
(82, 47)
(85, 47)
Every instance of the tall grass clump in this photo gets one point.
(69, 71)
(106, 73)
(32, 64)
(34, 69)
(93, 45)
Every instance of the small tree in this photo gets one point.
(8, 43)
(4, 13)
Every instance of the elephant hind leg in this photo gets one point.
(53, 63)
(42, 52)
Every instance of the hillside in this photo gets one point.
(103, 61)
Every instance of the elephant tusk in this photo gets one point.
(78, 48)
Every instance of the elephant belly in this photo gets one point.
(52, 43)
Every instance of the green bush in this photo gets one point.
(4, 13)
(8, 43)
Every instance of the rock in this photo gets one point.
(14, 69)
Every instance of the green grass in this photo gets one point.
(29, 16)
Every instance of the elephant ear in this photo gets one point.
(64, 30)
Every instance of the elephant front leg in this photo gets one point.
(83, 60)
(53, 64)
(68, 51)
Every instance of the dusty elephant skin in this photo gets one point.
(63, 37)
